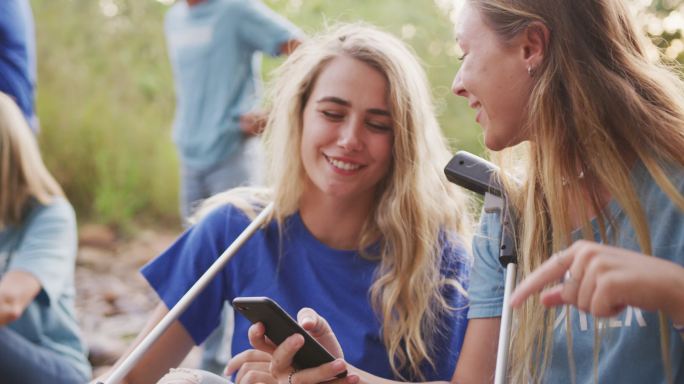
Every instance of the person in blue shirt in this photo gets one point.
(18, 56)
(215, 51)
(39, 335)
(596, 126)
(366, 228)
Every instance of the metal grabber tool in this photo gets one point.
(481, 176)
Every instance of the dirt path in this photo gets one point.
(112, 298)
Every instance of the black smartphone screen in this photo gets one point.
(279, 326)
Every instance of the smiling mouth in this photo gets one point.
(343, 165)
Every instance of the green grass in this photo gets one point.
(105, 96)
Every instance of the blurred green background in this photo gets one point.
(105, 93)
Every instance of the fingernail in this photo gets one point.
(297, 340)
(307, 319)
(353, 379)
(338, 365)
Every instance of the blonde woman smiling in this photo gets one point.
(366, 228)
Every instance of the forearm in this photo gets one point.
(17, 291)
(167, 352)
(477, 361)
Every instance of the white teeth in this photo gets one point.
(344, 166)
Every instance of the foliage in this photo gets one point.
(106, 98)
(106, 102)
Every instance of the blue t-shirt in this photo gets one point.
(630, 346)
(214, 50)
(296, 271)
(17, 55)
(44, 245)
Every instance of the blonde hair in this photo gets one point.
(415, 203)
(23, 175)
(596, 92)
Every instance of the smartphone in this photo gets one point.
(279, 326)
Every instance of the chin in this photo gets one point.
(497, 143)
(494, 145)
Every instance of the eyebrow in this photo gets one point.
(345, 103)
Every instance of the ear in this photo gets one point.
(535, 40)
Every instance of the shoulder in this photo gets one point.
(645, 182)
(236, 206)
(675, 173)
(248, 11)
(651, 194)
(235, 9)
(174, 13)
(222, 217)
(488, 232)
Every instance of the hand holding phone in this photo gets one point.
(279, 326)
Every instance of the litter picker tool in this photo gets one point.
(482, 177)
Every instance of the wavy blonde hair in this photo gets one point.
(596, 91)
(415, 202)
(23, 174)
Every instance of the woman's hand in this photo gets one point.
(18, 289)
(252, 366)
(280, 364)
(603, 280)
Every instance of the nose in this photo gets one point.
(350, 135)
(457, 86)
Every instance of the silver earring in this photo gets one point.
(530, 71)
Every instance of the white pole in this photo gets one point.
(187, 299)
(505, 330)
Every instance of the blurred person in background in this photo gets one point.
(39, 335)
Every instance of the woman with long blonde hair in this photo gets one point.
(567, 92)
(39, 337)
(366, 228)
(589, 133)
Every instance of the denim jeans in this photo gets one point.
(240, 169)
(216, 348)
(21, 361)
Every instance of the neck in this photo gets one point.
(336, 223)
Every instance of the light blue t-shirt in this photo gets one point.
(214, 48)
(630, 345)
(45, 246)
(297, 270)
